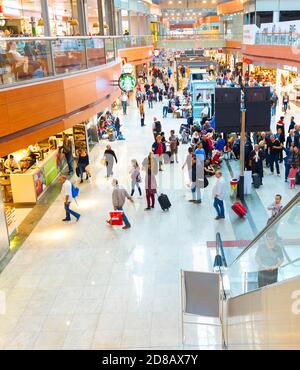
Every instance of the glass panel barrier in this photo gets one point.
(69, 55)
(273, 257)
(283, 39)
(109, 50)
(95, 52)
(27, 59)
(24, 60)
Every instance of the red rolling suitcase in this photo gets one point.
(239, 209)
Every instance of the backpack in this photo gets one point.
(157, 126)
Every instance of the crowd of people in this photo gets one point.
(207, 150)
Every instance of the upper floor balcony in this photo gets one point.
(199, 40)
(27, 60)
(277, 48)
(278, 39)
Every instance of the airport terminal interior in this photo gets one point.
(149, 175)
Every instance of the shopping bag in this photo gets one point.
(104, 162)
(116, 218)
(88, 170)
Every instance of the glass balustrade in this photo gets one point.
(274, 256)
(279, 39)
(28, 59)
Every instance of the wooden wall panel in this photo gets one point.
(34, 110)
(27, 107)
(231, 44)
(4, 118)
(282, 55)
(137, 55)
(230, 7)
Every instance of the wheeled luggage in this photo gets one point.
(257, 181)
(164, 202)
(239, 209)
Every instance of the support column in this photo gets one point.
(276, 16)
(81, 16)
(110, 14)
(100, 17)
(46, 18)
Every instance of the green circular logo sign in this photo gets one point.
(127, 82)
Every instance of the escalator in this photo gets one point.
(261, 287)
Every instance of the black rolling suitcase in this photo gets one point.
(257, 181)
(164, 202)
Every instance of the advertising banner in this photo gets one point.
(249, 34)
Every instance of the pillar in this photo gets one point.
(110, 14)
(100, 17)
(46, 18)
(276, 16)
(82, 18)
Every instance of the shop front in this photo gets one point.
(288, 81)
(262, 74)
(27, 174)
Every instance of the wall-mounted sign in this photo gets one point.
(123, 60)
(127, 82)
(127, 68)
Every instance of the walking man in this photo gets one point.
(119, 196)
(218, 194)
(67, 193)
(124, 103)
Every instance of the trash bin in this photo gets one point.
(234, 186)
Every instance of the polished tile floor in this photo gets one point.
(90, 286)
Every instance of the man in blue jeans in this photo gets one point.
(218, 193)
(119, 196)
(67, 193)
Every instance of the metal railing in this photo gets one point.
(29, 59)
(202, 36)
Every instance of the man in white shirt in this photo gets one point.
(124, 103)
(67, 193)
(204, 114)
(218, 194)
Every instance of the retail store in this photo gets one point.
(288, 80)
(262, 74)
(27, 174)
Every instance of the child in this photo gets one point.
(292, 176)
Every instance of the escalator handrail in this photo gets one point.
(219, 248)
(269, 226)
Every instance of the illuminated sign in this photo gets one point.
(127, 82)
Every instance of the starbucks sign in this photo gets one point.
(127, 82)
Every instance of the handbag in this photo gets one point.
(138, 178)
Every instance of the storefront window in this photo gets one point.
(23, 17)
